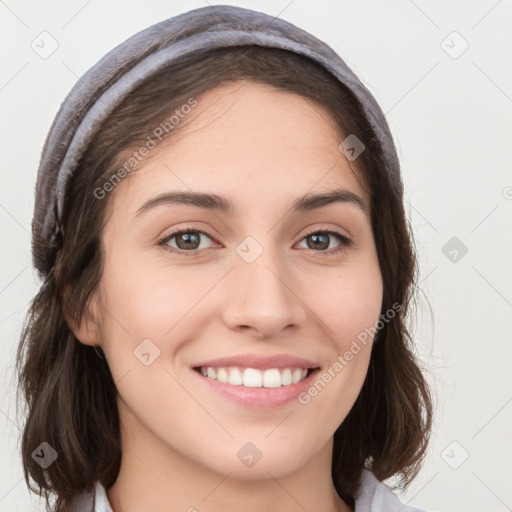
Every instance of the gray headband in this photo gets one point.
(100, 90)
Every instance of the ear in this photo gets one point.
(88, 331)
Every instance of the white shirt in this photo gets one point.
(373, 496)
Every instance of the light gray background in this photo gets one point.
(451, 118)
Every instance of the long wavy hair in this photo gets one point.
(67, 390)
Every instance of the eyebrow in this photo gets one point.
(215, 202)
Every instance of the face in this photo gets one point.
(267, 288)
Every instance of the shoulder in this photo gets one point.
(374, 496)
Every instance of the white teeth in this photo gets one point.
(286, 377)
(235, 377)
(254, 378)
(297, 375)
(222, 375)
(271, 378)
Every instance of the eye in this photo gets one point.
(187, 241)
(320, 240)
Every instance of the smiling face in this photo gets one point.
(261, 274)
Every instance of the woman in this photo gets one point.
(227, 271)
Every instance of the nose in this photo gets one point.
(260, 298)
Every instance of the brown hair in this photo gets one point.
(68, 386)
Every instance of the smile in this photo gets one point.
(253, 377)
(257, 380)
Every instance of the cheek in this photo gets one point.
(348, 309)
(348, 303)
(149, 300)
(166, 305)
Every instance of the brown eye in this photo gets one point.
(320, 240)
(186, 241)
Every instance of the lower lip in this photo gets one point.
(260, 396)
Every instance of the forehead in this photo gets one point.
(251, 143)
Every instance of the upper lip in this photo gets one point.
(260, 362)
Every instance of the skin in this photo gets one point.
(261, 149)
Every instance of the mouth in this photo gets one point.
(254, 377)
(256, 388)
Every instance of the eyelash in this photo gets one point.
(345, 242)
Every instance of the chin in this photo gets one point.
(258, 461)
